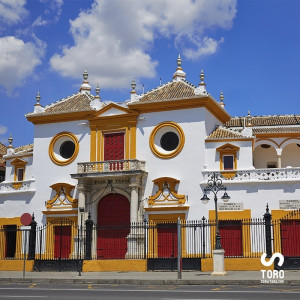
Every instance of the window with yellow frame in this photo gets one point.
(19, 172)
(228, 157)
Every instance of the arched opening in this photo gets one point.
(291, 155)
(264, 156)
(113, 226)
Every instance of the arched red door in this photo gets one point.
(113, 226)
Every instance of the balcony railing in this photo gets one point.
(17, 186)
(256, 175)
(111, 166)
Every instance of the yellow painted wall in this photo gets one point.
(127, 265)
(236, 264)
(16, 265)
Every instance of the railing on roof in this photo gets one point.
(111, 166)
(256, 175)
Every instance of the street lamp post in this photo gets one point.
(214, 185)
(80, 237)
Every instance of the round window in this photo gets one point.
(63, 148)
(67, 149)
(166, 140)
(169, 141)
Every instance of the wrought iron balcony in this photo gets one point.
(256, 175)
(26, 186)
(111, 166)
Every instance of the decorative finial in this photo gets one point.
(85, 75)
(202, 76)
(179, 74)
(249, 118)
(221, 96)
(38, 98)
(85, 87)
(222, 99)
(179, 61)
(10, 140)
(133, 85)
(97, 89)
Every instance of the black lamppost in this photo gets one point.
(214, 185)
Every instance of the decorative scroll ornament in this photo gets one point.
(63, 198)
(166, 194)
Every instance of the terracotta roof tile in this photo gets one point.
(74, 103)
(276, 120)
(171, 90)
(25, 148)
(3, 149)
(225, 133)
(276, 130)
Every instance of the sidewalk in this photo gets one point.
(146, 278)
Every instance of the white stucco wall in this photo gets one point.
(244, 155)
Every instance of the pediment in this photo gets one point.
(112, 109)
(18, 161)
(228, 147)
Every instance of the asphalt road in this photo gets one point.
(132, 292)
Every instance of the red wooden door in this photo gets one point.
(290, 237)
(231, 237)
(62, 241)
(167, 240)
(113, 226)
(114, 149)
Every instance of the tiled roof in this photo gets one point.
(3, 149)
(276, 120)
(75, 103)
(25, 148)
(171, 90)
(276, 130)
(225, 133)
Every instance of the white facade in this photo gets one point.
(265, 158)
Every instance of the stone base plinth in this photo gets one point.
(218, 263)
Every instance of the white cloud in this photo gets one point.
(18, 60)
(3, 129)
(113, 38)
(51, 14)
(12, 11)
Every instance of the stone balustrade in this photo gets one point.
(256, 175)
(111, 166)
(17, 187)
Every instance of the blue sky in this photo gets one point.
(250, 49)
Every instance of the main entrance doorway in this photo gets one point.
(113, 226)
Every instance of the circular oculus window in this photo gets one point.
(166, 140)
(63, 148)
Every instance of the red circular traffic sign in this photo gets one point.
(26, 219)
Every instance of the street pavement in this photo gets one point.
(291, 278)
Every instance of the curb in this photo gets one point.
(145, 282)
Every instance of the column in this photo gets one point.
(134, 203)
(135, 239)
(278, 151)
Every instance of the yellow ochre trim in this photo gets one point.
(133, 140)
(172, 153)
(288, 140)
(207, 102)
(53, 142)
(227, 140)
(234, 216)
(116, 265)
(16, 265)
(93, 144)
(66, 189)
(18, 164)
(236, 264)
(11, 221)
(227, 150)
(153, 234)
